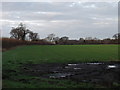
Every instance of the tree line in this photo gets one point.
(22, 33)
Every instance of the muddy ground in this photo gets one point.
(102, 73)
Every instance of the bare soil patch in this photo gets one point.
(103, 73)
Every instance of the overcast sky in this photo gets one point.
(72, 19)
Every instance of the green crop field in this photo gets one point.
(62, 53)
(35, 54)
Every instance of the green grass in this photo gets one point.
(62, 53)
(13, 59)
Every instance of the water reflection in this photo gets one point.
(59, 75)
(111, 66)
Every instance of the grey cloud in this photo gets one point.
(71, 19)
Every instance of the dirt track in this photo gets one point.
(105, 74)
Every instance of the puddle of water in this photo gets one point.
(77, 68)
(94, 63)
(51, 76)
(72, 64)
(111, 66)
(67, 67)
(59, 75)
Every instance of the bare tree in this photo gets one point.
(116, 36)
(81, 39)
(33, 36)
(15, 33)
(20, 32)
(64, 38)
(56, 39)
